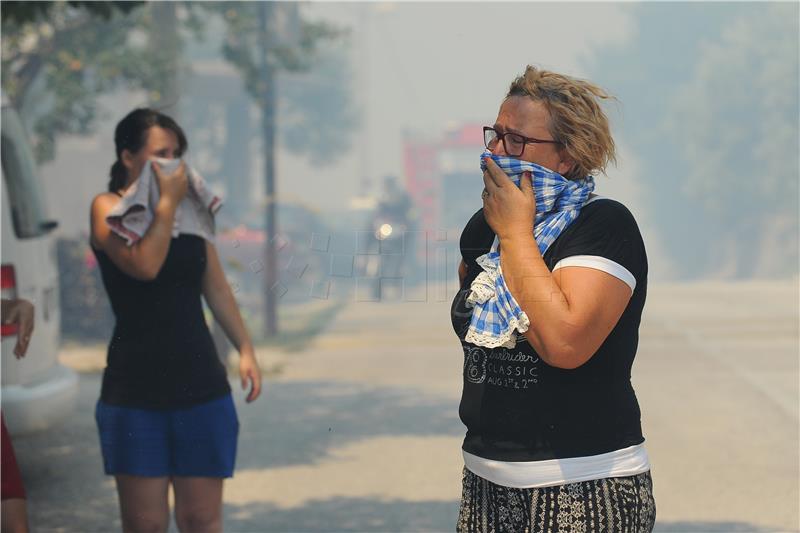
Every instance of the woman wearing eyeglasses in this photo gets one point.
(553, 283)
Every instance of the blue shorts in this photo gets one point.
(197, 441)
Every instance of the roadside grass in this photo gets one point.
(299, 325)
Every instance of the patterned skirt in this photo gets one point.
(613, 505)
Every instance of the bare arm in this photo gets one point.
(462, 272)
(572, 310)
(219, 297)
(144, 259)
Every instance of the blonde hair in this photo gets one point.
(576, 119)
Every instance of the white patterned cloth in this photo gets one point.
(134, 213)
(496, 316)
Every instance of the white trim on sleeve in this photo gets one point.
(599, 263)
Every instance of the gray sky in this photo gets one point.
(430, 66)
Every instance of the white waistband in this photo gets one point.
(527, 474)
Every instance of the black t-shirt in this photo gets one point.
(517, 407)
(161, 354)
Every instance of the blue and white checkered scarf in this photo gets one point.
(496, 315)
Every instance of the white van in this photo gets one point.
(36, 391)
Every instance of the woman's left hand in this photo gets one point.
(250, 373)
(509, 210)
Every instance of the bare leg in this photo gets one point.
(198, 504)
(14, 516)
(143, 503)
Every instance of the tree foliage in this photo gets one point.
(58, 57)
(316, 113)
(15, 12)
(715, 122)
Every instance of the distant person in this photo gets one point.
(553, 282)
(165, 413)
(393, 227)
(14, 513)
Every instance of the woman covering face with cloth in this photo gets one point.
(165, 413)
(553, 282)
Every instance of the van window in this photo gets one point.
(22, 181)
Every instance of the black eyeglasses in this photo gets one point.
(513, 143)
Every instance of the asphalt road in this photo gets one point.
(360, 432)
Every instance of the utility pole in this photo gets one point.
(164, 40)
(365, 151)
(267, 102)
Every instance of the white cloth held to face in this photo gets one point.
(134, 213)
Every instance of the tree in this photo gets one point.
(742, 105)
(68, 53)
(312, 82)
(57, 57)
(263, 39)
(17, 12)
(715, 121)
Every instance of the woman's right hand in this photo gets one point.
(172, 186)
(21, 313)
